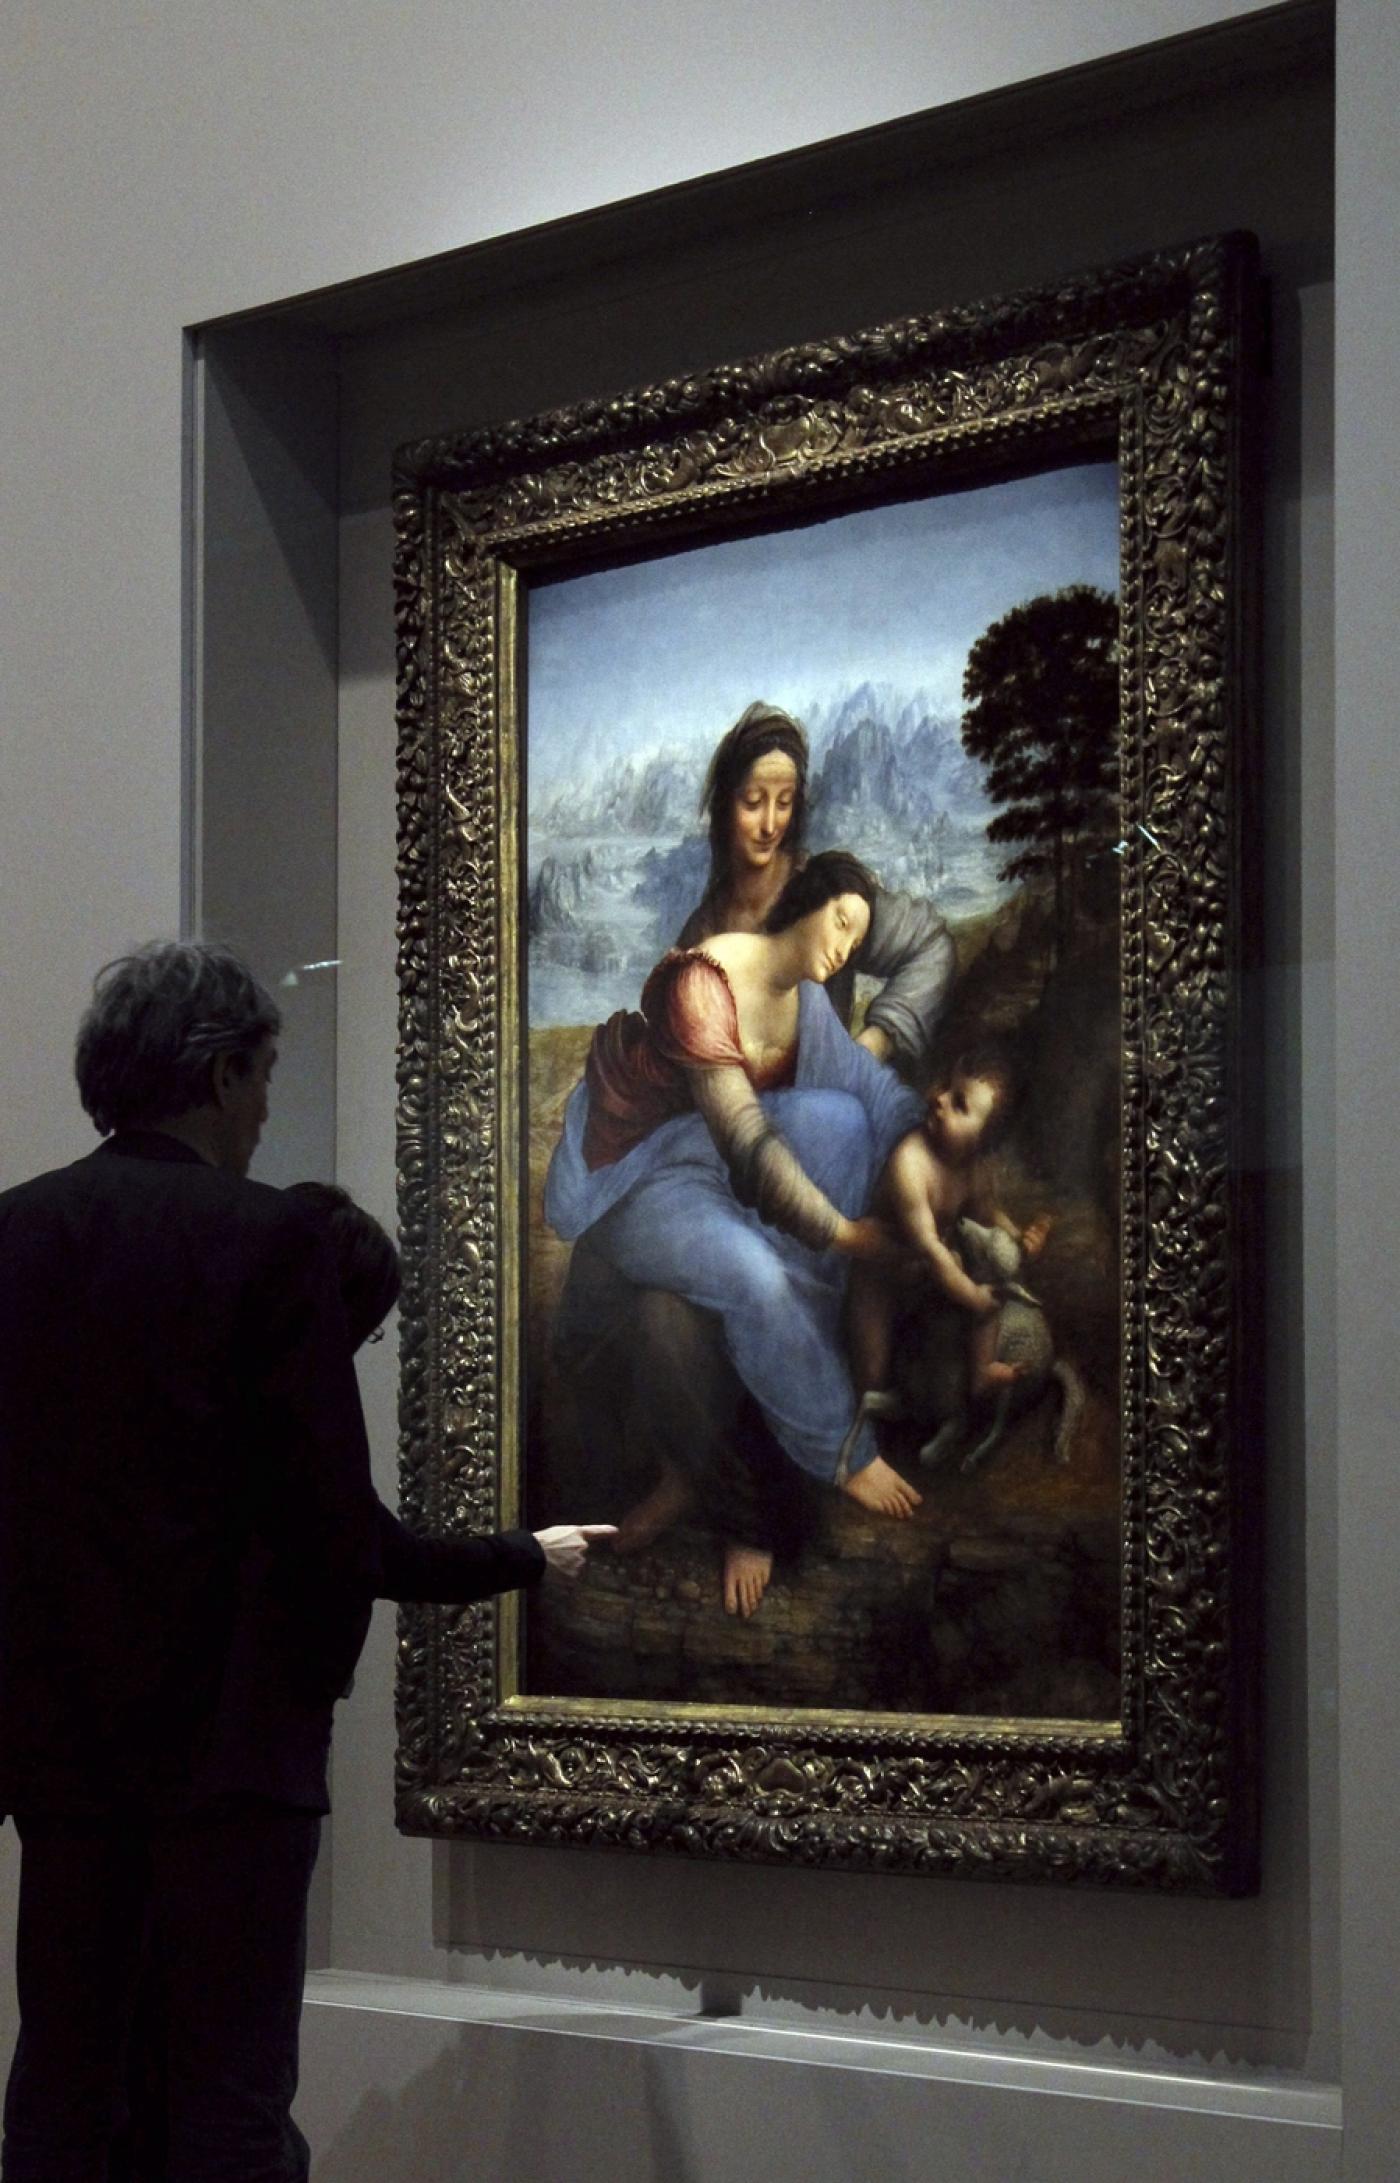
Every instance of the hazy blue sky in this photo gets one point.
(637, 659)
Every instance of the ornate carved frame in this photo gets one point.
(1153, 358)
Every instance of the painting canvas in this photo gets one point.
(824, 821)
(932, 683)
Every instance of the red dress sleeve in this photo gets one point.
(637, 1063)
(690, 1010)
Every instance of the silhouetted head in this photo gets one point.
(366, 1261)
(178, 1026)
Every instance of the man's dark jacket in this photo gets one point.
(189, 1537)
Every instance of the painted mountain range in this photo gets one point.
(618, 861)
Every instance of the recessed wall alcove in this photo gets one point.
(1207, 2029)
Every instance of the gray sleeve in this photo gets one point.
(909, 947)
(764, 1172)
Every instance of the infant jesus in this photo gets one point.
(932, 1177)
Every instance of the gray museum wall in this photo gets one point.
(180, 168)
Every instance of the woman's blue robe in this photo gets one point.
(666, 1216)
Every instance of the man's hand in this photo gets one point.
(566, 1546)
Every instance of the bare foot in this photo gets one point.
(666, 1503)
(746, 1573)
(879, 1487)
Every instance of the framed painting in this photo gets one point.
(821, 835)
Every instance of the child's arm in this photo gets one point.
(910, 1177)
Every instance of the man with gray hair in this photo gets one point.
(189, 1546)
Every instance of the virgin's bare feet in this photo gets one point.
(666, 1503)
(880, 1488)
(746, 1573)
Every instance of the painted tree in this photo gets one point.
(1040, 695)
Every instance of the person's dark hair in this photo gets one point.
(156, 1023)
(366, 1260)
(818, 881)
(759, 729)
(994, 1065)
